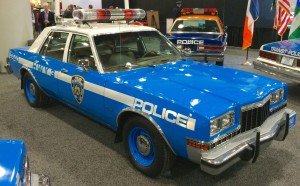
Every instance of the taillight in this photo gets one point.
(268, 55)
(213, 47)
(298, 62)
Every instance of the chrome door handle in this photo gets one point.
(63, 70)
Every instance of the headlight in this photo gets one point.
(221, 123)
(277, 96)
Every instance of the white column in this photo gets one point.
(56, 7)
(126, 4)
(16, 27)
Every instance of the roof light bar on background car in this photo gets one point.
(108, 14)
(199, 11)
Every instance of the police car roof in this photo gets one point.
(103, 28)
(97, 29)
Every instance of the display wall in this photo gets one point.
(232, 12)
(16, 27)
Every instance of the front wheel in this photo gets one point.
(147, 150)
(35, 97)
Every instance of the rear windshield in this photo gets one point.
(196, 26)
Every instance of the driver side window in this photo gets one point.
(80, 52)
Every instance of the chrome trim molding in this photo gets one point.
(256, 105)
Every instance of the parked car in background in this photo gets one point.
(14, 166)
(132, 79)
(280, 59)
(200, 34)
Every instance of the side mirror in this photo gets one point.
(84, 63)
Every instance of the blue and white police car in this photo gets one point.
(133, 79)
(200, 34)
(14, 166)
(280, 59)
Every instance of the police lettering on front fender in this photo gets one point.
(164, 113)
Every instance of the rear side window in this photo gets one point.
(54, 45)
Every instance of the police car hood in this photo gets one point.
(287, 47)
(199, 86)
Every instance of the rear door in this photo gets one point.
(48, 61)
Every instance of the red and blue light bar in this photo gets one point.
(108, 14)
(199, 11)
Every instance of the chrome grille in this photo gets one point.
(255, 117)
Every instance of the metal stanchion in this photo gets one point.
(247, 63)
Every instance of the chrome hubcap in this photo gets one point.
(32, 89)
(143, 145)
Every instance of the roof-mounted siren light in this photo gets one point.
(199, 11)
(108, 14)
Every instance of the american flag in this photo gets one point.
(282, 16)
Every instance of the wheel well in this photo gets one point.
(22, 72)
(121, 121)
(123, 117)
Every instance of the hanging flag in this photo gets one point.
(282, 16)
(252, 14)
(295, 29)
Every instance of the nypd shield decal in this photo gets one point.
(77, 85)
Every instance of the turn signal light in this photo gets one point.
(198, 145)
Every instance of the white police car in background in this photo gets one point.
(280, 59)
(133, 80)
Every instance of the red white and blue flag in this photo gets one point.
(282, 16)
(252, 15)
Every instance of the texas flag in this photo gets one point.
(252, 14)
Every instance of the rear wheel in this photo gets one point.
(147, 150)
(220, 63)
(35, 97)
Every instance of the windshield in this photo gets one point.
(195, 26)
(124, 51)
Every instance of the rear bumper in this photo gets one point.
(206, 57)
(7, 67)
(245, 146)
(277, 69)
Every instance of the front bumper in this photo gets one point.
(39, 180)
(245, 146)
(277, 69)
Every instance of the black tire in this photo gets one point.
(153, 157)
(220, 63)
(34, 95)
